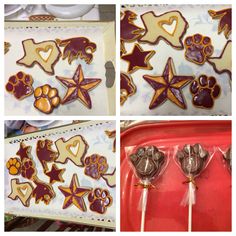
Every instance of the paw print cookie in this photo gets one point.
(198, 48)
(95, 166)
(100, 200)
(204, 91)
(28, 169)
(20, 85)
(14, 166)
(46, 98)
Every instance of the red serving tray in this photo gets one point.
(212, 211)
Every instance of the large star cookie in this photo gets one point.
(223, 63)
(78, 87)
(74, 194)
(138, 59)
(168, 86)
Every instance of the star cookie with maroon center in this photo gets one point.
(74, 194)
(55, 174)
(78, 87)
(168, 86)
(138, 59)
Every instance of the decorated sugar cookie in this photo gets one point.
(100, 200)
(74, 194)
(7, 46)
(22, 191)
(168, 86)
(127, 87)
(223, 63)
(77, 47)
(46, 98)
(110, 178)
(20, 85)
(78, 87)
(46, 54)
(156, 30)
(14, 166)
(73, 149)
(43, 192)
(138, 59)
(225, 20)
(129, 32)
(55, 174)
(204, 91)
(45, 153)
(198, 48)
(95, 166)
(112, 134)
(24, 152)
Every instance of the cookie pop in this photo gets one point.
(148, 163)
(192, 160)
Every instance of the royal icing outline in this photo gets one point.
(64, 150)
(32, 55)
(147, 55)
(81, 53)
(222, 68)
(161, 32)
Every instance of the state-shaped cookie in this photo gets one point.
(170, 27)
(46, 54)
(223, 63)
(73, 149)
(22, 191)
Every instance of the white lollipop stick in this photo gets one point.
(190, 203)
(144, 207)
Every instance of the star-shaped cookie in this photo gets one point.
(78, 87)
(55, 174)
(74, 194)
(168, 86)
(138, 59)
(24, 151)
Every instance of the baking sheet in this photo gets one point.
(98, 32)
(199, 22)
(98, 142)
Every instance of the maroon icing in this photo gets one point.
(42, 192)
(127, 87)
(128, 30)
(138, 58)
(95, 166)
(20, 85)
(225, 17)
(74, 194)
(161, 37)
(99, 200)
(45, 153)
(77, 47)
(24, 151)
(204, 90)
(198, 48)
(221, 55)
(55, 174)
(169, 86)
(28, 169)
(78, 87)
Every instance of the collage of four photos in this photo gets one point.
(67, 131)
